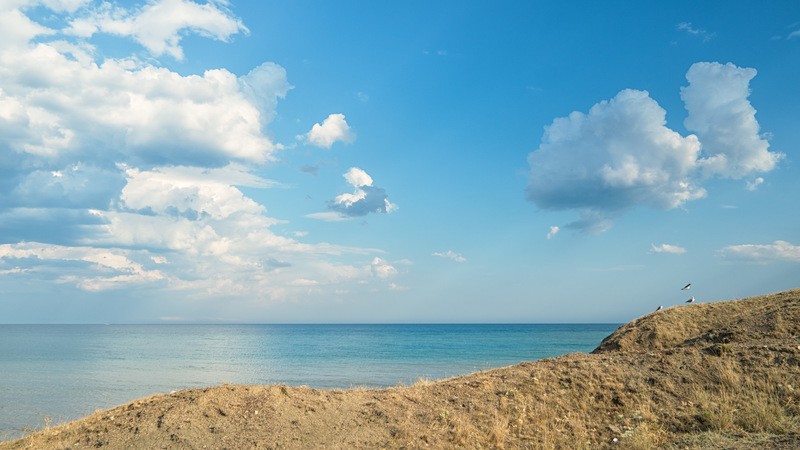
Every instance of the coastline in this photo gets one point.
(669, 379)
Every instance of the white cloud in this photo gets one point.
(753, 185)
(622, 155)
(160, 25)
(190, 191)
(667, 248)
(553, 231)
(617, 156)
(108, 268)
(691, 29)
(358, 177)
(141, 169)
(724, 121)
(328, 216)
(778, 251)
(382, 269)
(62, 109)
(366, 198)
(457, 257)
(18, 29)
(333, 129)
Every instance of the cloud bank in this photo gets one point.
(621, 155)
(141, 169)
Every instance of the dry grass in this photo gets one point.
(723, 375)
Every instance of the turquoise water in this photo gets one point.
(63, 372)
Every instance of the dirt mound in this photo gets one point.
(755, 319)
(637, 391)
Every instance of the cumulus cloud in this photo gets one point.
(382, 269)
(142, 169)
(366, 198)
(778, 251)
(62, 110)
(191, 192)
(667, 248)
(457, 257)
(724, 121)
(160, 24)
(621, 154)
(333, 129)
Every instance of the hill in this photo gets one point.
(716, 375)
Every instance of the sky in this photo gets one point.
(179, 161)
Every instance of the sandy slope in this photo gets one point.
(719, 375)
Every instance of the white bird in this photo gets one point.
(691, 300)
(660, 308)
(687, 287)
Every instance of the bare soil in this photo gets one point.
(715, 375)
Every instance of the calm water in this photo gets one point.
(63, 372)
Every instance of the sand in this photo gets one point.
(716, 375)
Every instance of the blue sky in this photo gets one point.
(307, 161)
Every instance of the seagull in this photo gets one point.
(691, 300)
(660, 308)
(687, 287)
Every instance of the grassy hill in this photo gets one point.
(716, 375)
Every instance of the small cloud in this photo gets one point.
(728, 206)
(382, 269)
(366, 198)
(553, 231)
(300, 234)
(667, 248)
(691, 29)
(362, 97)
(457, 257)
(333, 129)
(778, 251)
(328, 216)
(753, 185)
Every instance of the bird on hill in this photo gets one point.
(687, 287)
(691, 300)
(660, 308)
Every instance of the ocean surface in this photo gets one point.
(55, 373)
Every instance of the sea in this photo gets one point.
(55, 373)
